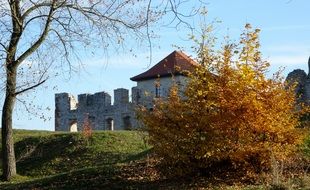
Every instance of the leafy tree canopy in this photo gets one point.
(231, 112)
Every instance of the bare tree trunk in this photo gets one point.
(8, 155)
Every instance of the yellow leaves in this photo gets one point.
(248, 26)
(208, 154)
(199, 92)
(231, 111)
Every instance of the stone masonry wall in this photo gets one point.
(302, 81)
(70, 114)
(145, 91)
(97, 108)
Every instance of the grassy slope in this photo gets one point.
(63, 160)
(50, 160)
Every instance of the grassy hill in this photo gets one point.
(108, 160)
(51, 160)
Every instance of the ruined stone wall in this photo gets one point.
(97, 109)
(65, 112)
(307, 92)
(299, 78)
(70, 114)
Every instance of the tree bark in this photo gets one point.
(8, 155)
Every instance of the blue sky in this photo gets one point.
(285, 40)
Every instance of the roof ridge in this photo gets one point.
(167, 66)
(188, 58)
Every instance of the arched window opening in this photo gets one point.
(110, 124)
(157, 91)
(73, 126)
(127, 123)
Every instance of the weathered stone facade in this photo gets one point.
(302, 81)
(70, 114)
(97, 108)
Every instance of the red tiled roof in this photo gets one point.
(173, 64)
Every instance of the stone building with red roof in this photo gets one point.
(97, 109)
(157, 81)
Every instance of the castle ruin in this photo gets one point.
(302, 81)
(70, 114)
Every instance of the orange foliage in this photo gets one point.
(231, 112)
(87, 131)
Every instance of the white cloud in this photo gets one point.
(285, 60)
(292, 48)
(288, 54)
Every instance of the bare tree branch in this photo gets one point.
(43, 36)
(34, 7)
(147, 30)
(31, 87)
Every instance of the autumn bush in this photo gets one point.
(87, 130)
(231, 114)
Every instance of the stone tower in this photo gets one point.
(302, 79)
(65, 111)
(121, 96)
(93, 106)
(309, 67)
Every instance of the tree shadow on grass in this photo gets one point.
(106, 177)
(138, 156)
(133, 175)
(33, 153)
(62, 153)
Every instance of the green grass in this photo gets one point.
(65, 152)
(108, 160)
(43, 156)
